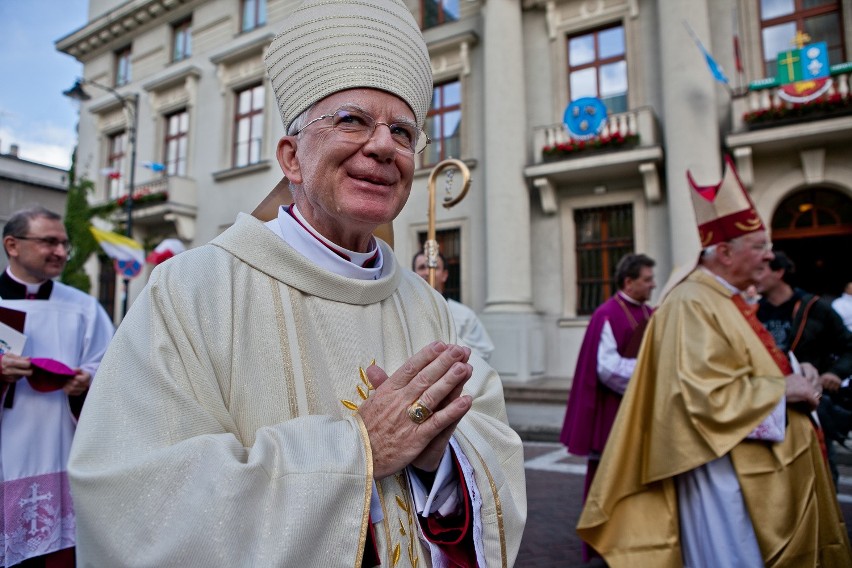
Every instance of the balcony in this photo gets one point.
(161, 207)
(763, 123)
(628, 146)
(762, 105)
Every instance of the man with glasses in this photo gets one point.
(37, 424)
(713, 459)
(290, 394)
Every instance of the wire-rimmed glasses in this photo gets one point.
(357, 126)
(49, 242)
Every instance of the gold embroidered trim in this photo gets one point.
(497, 505)
(749, 225)
(368, 490)
(297, 301)
(396, 552)
(402, 504)
(364, 379)
(409, 516)
(361, 392)
(386, 524)
(708, 237)
(278, 307)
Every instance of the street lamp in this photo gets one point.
(130, 103)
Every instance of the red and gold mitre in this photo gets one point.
(723, 211)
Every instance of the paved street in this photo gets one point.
(554, 487)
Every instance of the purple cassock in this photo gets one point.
(592, 406)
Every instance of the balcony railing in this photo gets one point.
(763, 106)
(629, 129)
(163, 200)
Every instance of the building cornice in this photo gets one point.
(115, 24)
(172, 77)
(244, 47)
(453, 42)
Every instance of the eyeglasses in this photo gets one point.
(356, 126)
(762, 247)
(49, 242)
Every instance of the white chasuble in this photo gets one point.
(217, 435)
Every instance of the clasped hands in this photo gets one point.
(15, 367)
(805, 386)
(434, 376)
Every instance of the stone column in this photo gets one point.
(690, 117)
(509, 316)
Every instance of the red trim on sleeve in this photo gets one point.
(453, 534)
(370, 556)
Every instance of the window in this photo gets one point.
(604, 235)
(437, 12)
(182, 40)
(177, 137)
(597, 67)
(116, 152)
(122, 66)
(449, 245)
(248, 127)
(253, 14)
(781, 19)
(443, 125)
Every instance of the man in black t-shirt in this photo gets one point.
(808, 326)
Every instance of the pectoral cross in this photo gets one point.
(33, 500)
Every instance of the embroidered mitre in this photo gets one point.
(723, 211)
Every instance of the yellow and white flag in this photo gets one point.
(129, 256)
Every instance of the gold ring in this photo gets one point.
(419, 412)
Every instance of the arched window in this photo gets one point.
(811, 213)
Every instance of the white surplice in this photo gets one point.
(36, 433)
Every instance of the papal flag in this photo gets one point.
(129, 256)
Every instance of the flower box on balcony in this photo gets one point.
(143, 196)
(574, 147)
(824, 107)
(140, 197)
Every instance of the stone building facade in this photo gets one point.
(533, 245)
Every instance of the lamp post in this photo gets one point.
(130, 104)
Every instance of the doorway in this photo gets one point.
(814, 227)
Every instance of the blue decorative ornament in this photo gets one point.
(585, 117)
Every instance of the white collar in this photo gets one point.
(722, 281)
(627, 298)
(299, 234)
(31, 288)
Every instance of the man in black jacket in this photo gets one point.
(808, 326)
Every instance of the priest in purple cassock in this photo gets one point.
(606, 361)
